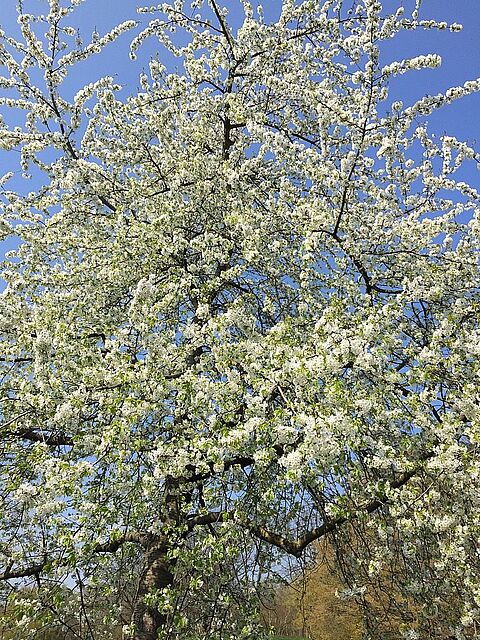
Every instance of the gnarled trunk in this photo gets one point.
(157, 574)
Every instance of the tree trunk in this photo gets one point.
(157, 574)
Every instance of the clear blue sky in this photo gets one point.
(460, 53)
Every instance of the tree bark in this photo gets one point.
(157, 574)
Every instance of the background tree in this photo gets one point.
(245, 305)
(307, 603)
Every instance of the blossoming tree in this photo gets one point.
(243, 314)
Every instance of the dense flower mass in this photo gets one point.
(243, 315)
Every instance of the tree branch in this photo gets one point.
(58, 440)
(223, 26)
(209, 518)
(24, 572)
(296, 546)
(143, 539)
(111, 546)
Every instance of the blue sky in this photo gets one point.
(460, 51)
(460, 54)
